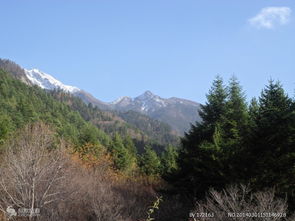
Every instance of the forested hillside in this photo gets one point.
(22, 104)
(142, 129)
(158, 130)
(156, 112)
(71, 118)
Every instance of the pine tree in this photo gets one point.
(253, 112)
(199, 160)
(5, 127)
(150, 162)
(233, 127)
(129, 144)
(236, 115)
(271, 148)
(88, 135)
(169, 160)
(132, 152)
(122, 157)
(215, 106)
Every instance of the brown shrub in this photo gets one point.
(238, 203)
(39, 172)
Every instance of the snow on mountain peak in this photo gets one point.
(150, 101)
(146, 95)
(48, 82)
(122, 100)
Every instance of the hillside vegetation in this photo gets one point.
(70, 118)
(76, 162)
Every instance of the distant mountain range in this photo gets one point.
(176, 112)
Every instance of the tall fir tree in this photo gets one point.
(271, 147)
(215, 106)
(199, 158)
(236, 115)
(234, 126)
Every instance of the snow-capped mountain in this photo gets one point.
(143, 103)
(178, 113)
(48, 82)
(122, 101)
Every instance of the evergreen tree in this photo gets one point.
(200, 155)
(130, 146)
(5, 127)
(236, 116)
(169, 160)
(233, 128)
(271, 147)
(88, 135)
(150, 162)
(122, 157)
(253, 112)
(215, 106)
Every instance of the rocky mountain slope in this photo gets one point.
(178, 113)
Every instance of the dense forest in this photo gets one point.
(76, 162)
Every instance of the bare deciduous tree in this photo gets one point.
(238, 203)
(33, 172)
(37, 172)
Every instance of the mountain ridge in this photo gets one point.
(177, 112)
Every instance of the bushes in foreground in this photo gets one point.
(38, 172)
(239, 203)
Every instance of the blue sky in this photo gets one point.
(113, 48)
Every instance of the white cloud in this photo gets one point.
(270, 17)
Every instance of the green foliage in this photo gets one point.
(235, 118)
(253, 112)
(201, 154)
(21, 104)
(169, 160)
(130, 146)
(150, 162)
(239, 144)
(158, 131)
(152, 209)
(88, 134)
(124, 156)
(271, 144)
(142, 129)
(6, 127)
(215, 107)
